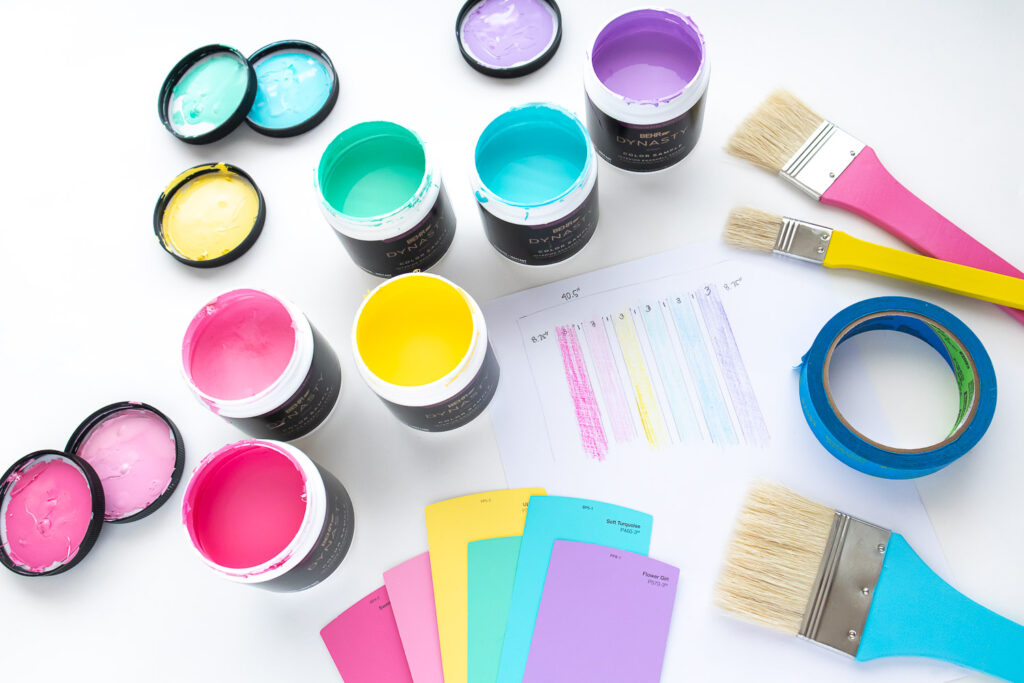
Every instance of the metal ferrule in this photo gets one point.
(821, 159)
(842, 593)
(803, 240)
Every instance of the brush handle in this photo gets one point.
(914, 613)
(868, 190)
(846, 251)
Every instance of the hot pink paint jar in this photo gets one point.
(255, 360)
(263, 513)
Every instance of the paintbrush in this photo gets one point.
(807, 570)
(755, 229)
(785, 136)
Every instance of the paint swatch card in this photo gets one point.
(491, 574)
(411, 590)
(552, 518)
(364, 642)
(603, 618)
(451, 526)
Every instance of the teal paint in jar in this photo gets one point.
(381, 191)
(535, 179)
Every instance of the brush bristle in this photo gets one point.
(752, 228)
(773, 558)
(775, 131)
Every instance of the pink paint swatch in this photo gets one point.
(411, 588)
(588, 414)
(364, 642)
(604, 617)
(609, 381)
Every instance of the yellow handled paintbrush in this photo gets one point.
(764, 231)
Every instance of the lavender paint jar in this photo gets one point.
(646, 79)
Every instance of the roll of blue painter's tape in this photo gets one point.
(940, 329)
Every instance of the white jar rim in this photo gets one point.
(281, 389)
(309, 528)
(443, 388)
(553, 209)
(396, 222)
(643, 113)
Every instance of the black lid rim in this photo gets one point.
(179, 70)
(321, 114)
(92, 532)
(189, 174)
(82, 431)
(515, 71)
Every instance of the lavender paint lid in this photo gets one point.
(508, 38)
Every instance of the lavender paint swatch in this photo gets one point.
(604, 617)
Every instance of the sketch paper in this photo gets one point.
(364, 642)
(676, 410)
(552, 518)
(451, 526)
(604, 617)
(492, 571)
(411, 589)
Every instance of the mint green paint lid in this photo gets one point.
(207, 94)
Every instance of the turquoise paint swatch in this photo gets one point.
(291, 87)
(208, 94)
(551, 518)
(532, 155)
(491, 573)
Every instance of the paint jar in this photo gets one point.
(255, 360)
(51, 513)
(263, 513)
(646, 79)
(421, 344)
(381, 192)
(535, 178)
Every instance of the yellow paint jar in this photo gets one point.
(420, 342)
(209, 215)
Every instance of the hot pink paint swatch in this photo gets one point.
(245, 504)
(604, 617)
(47, 513)
(364, 642)
(588, 414)
(238, 345)
(411, 588)
(133, 452)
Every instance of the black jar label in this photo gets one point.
(538, 245)
(418, 248)
(309, 406)
(644, 148)
(458, 410)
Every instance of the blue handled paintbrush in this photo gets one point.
(814, 572)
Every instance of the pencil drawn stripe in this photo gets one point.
(608, 381)
(671, 373)
(588, 415)
(650, 414)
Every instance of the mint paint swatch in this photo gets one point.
(604, 617)
(291, 87)
(206, 96)
(491, 573)
(551, 518)
(372, 169)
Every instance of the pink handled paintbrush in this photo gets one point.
(785, 136)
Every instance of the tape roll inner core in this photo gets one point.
(940, 338)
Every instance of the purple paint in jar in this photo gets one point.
(646, 79)
(507, 38)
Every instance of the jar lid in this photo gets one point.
(209, 215)
(296, 88)
(42, 533)
(138, 454)
(508, 38)
(207, 94)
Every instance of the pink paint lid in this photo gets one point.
(51, 513)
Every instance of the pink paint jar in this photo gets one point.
(255, 360)
(263, 513)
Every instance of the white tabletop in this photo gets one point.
(93, 310)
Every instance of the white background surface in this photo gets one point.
(92, 310)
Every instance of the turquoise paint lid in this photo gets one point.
(207, 94)
(296, 88)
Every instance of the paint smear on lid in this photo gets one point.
(206, 95)
(210, 215)
(508, 33)
(291, 88)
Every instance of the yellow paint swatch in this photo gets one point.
(646, 402)
(414, 330)
(451, 526)
(210, 215)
